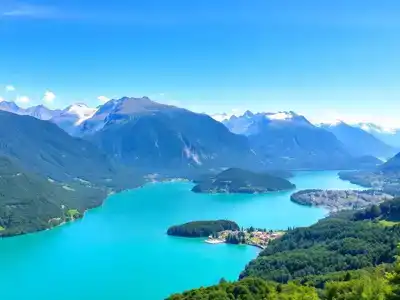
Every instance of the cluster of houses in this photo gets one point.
(250, 236)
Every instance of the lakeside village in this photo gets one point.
(251, 236)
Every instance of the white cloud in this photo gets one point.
(49, 97)
(23, 99)
(26, 10)
(1, 99)
(103, 99)
(10, 88)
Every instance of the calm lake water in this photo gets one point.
(120, 250)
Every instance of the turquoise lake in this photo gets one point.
(121, 251)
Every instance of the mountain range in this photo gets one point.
(79, 120)
(289, 140)
(67, 119)
(153, 136)
(117, 145)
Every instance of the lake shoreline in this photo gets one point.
(164, 180)
(110, 241)
(218, 241)
(101, 203)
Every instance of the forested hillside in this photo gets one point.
(368, 284)
(30, 203)
(235, 180)
(331, 245)
(42, 148)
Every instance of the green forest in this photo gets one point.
(30, 202)
(374, 284)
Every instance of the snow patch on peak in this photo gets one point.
(81, 110)
(221, 117)
(331, 124)
(373, 128)
(282, 115)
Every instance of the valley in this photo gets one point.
(199, 150)
(101, 155)
(189, 167)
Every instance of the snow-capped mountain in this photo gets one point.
(359, 142)
(147, 134)
(73, 116)
(251, 123)
(68, 119)
(288, 139)
(81, 111)
(390, 136)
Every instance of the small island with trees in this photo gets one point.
(338, 200)
(224, 231)
(235, 180)
(202, 228)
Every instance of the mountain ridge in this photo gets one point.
(359, 142)
(43, 148)
(130, 130)
(289, 141)
(165, 136)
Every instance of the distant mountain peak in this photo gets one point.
(132, 105)
(80, 104)
(9, 106)
(334, 123)
(142, 100)
(81, 112)
(248, 114)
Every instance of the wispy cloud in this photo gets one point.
(23, 99)
(10, 88)
(49, 97)
(260, 13)
(15, 10)
(116, 16)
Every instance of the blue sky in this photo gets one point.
(320, 58)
